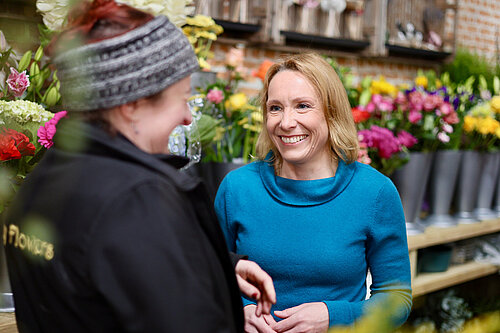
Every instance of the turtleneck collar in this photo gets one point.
(305, 192)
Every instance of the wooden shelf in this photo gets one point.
(8, 322)
(436, 236)
(425, 283)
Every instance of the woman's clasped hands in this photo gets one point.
(307, 317)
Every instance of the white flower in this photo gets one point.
(55, 12)
(443, 137)
(175, 10)
(336, 5)
(23, 111)
(447, 128)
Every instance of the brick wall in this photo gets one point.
(478, 24)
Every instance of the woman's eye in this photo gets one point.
(273, 108)
(303, 106)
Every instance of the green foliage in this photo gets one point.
(467, 64)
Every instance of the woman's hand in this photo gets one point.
(257, 284)
(307, 317)
(257, 324)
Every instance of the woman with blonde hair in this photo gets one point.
(314, 218)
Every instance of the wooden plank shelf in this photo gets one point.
(425, 283)
(8, 322)
(435, 236)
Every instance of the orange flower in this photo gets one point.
(263, 68)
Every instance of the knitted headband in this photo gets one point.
(115, 71)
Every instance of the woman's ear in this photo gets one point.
(129, 112)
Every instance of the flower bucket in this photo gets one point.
(411, 182)
(6, 300)
(443, 179)
(201, 79)
(468, 184)
(487, 186)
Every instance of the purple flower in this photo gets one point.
(406, 139)
(18, 82)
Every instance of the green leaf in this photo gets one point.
(496, 85)
(365, 97)
(25, 61)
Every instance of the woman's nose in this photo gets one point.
(288, 119)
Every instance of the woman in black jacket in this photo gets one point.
(106, 235)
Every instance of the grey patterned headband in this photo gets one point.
(115, 71)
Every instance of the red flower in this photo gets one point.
(360, 115)
(14, 145)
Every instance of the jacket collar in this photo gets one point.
(80, 137)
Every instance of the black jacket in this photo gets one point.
(103, 237)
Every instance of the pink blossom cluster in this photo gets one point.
(379, 104)
(46, 132)
(18, 82)
(215, 96)
(386, 143)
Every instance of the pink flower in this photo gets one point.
(382, 139)
(401, 98)
(445, 109)
(416, 101)
(215, 96)
(386, 105)
(406, 139)
(452, 118)
(234, 57)
(18, 82)
(443, 137)
(370, 107)
(429, 103)
(376, 98)
(414, 117)
(46, 132)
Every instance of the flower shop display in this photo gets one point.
(20, 149)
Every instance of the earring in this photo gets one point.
(134, 128)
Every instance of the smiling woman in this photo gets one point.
(310, 215)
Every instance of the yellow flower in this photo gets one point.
(200, 21)
(469, 123)
(203, 63)
(205, 34)
(497, 132)
(237, 101)
(438, 83)
(487, 125)
(383, 87)
(421, 81)
(257, 117)
(495, 104)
